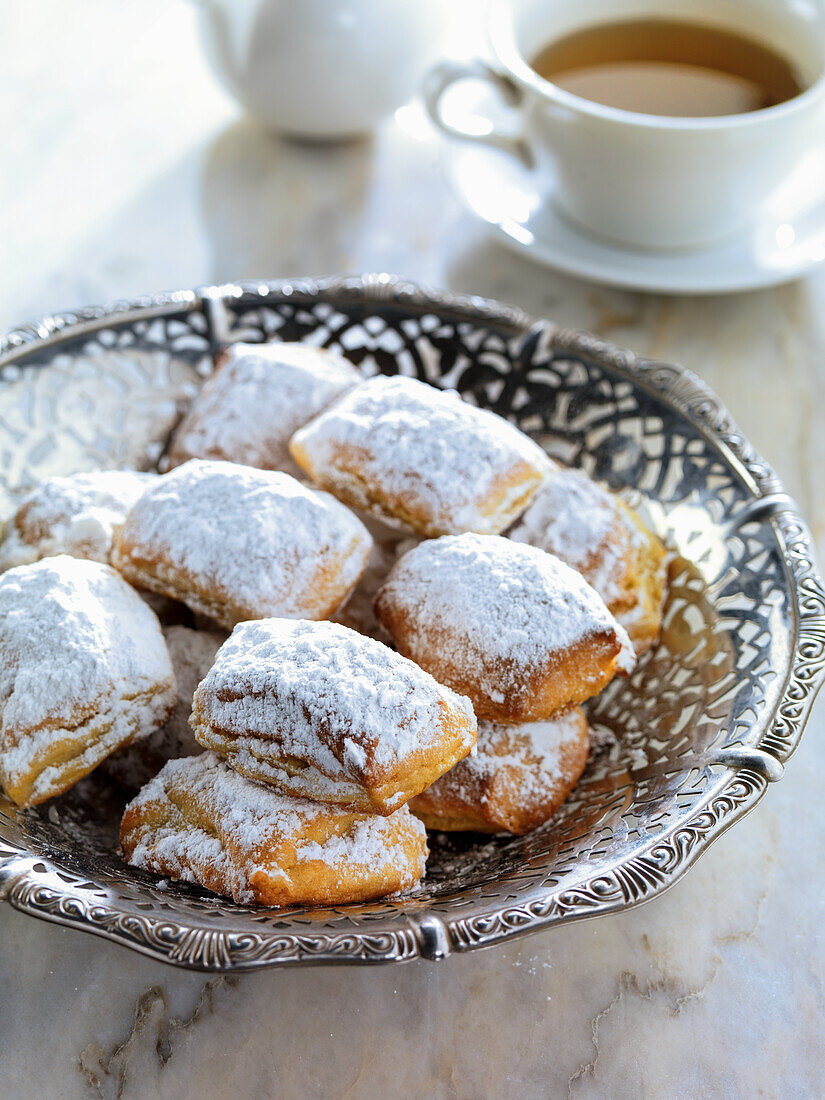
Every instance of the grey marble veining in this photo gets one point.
(132, 172)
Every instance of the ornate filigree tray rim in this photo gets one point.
(633, 881)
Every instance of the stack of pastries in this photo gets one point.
(419, 602)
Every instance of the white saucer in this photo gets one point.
(495, 188)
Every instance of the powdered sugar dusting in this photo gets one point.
(346, 704)
(235, 542)
(249, 809)
(531, 753)
(258, 397)
(415, 454)
(581, 523)
(76, 643)
(485, 594)
(71, 515)
(371, 842)
(251, 821)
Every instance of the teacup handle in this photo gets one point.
(440, 78)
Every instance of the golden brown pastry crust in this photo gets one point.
(71, 690)
(596, 533)
(565, 678)
(515, 781)
(200, 821)
(420, 457)
(319, 711)
(236, 543)
(517, 631)
(641, 615)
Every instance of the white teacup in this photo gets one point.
(645, 180)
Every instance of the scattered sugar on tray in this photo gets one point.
(604, 740)
(605, 743)
(330, 685)
(412, 437)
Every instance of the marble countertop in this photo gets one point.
(128, 170)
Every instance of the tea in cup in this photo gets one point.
(654, 124)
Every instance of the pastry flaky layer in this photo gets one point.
(597, 534)
(237, 543)
(84, 670)
(517, 778)
(318, 711)
(259, 395)
(73, 515)
(421, 457)
(200, 821)
(508, 625)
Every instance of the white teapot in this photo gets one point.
(321, 68)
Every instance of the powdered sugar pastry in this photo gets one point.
(79, 650)
(259, 395)
(514, 602)
(345, 703)
(421, 456)
(71, 515)
(238, 543)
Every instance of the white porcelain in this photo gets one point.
(776, 248)
(646, 180)
(321, 68)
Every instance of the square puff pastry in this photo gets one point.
(83, 670)
(259, 395)
(73, 515)
(516, 630)
(517, 778)
(421, 457)
(200, 821)
(322, 712)
(236, 543)
(599, 535)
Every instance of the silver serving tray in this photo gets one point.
(704, 724)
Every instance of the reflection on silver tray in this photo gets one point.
(687, 745)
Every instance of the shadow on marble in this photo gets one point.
(273, 206)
